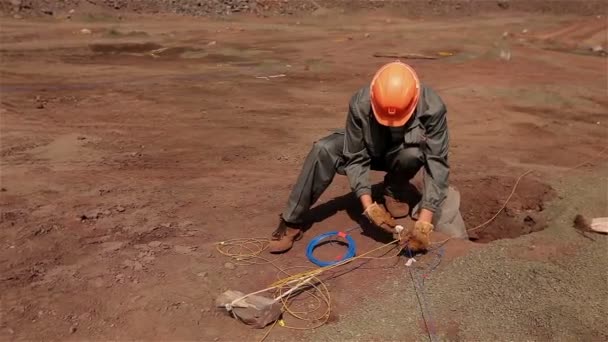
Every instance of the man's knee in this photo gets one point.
(408, 160)
(329, 147)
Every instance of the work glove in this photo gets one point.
(380, 217)
(417, 238)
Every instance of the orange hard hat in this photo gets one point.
(394, 92)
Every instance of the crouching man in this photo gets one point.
(395, 125)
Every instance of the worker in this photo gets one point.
(396, 125)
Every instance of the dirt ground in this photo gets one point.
(130, 146)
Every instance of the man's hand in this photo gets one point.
(418, 238)
(380, 217)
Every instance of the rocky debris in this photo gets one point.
(202, 274)
(73, 329)
(229, 266)
(598, 49)
(96, 214)
(120, 278)
(293, 7)
(44, 229)
(85, 31)
(134, 265)
(40, 102)
(154, 244)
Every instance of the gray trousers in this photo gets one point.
(401, 164)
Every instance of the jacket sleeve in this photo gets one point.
(356, 158)
(435, 149)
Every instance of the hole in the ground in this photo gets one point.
(481, 198)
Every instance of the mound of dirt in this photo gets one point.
(289, 7)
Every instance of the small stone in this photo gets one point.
(120, 278)
(504, 4)
(366, 35)
(18, 17)
(154, 244)
(73, 329)
(597, 48)
(211, 43)
(71, 11)
(524, 31)
(10, 331)
(120, 209)
(229, 266)
(81, 137)
(202, 274)
(85, 31)
(47, 11)
(148, 258)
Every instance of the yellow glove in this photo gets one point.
(418, 238)
(380, 217)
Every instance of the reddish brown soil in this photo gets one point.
(123, 163)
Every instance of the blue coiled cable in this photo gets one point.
(318, 239)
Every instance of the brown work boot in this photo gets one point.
(284, 237)
(396, 208)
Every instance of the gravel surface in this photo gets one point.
(296, 7)
(549, 285)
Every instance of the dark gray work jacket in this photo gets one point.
(426, 129)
